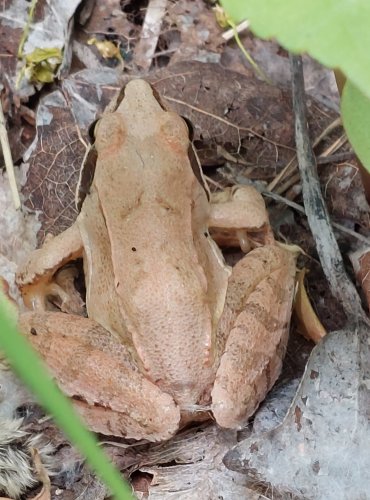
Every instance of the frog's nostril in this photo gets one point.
(33, 331)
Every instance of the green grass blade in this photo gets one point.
(29, 367)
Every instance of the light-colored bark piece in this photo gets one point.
(150, 32)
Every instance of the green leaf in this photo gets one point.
(335, 32)
(355, 107)
(29, 367)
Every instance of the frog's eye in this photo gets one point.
(110, 133)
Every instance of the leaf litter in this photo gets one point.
(230, 111)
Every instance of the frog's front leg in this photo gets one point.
(36, 279)
(99, 374)
(238, 217)
(252, 333)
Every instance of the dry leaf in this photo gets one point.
(309, 324)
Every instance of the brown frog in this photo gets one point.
(173, 334)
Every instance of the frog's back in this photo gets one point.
(159, 275)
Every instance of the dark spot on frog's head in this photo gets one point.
(205, 234)
(33, 331)
(133, 249)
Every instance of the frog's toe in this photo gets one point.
(39, 296)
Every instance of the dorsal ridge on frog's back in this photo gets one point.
(150, 231)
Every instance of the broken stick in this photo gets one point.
(317, 214)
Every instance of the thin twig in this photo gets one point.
(337, 144)
(259, 71)
(301, 209)
(336, 158)
(292, 165)
(229, 34)
(213, 182)
(287, 170)
(317, 215)
(145, 49)
(4, 141)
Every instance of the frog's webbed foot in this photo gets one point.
(100, 374)
(238, 217)
(257, 314)
(38, 280)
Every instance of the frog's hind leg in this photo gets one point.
(99, 373)
(36, 280)
(238, 217)
(257, 314)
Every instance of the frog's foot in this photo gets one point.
(100, 375)
(239, 217)
(257, 314)
(36, 280)
(70, 299)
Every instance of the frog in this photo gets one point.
(173, 333)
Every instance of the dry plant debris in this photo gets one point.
(321, 448)
(243, 131)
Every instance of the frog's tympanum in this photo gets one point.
(173, 334)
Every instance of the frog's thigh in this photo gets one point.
(98, 372)
(35, 277)
(257, 313)
(237, 211)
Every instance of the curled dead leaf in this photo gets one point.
(309, 324)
